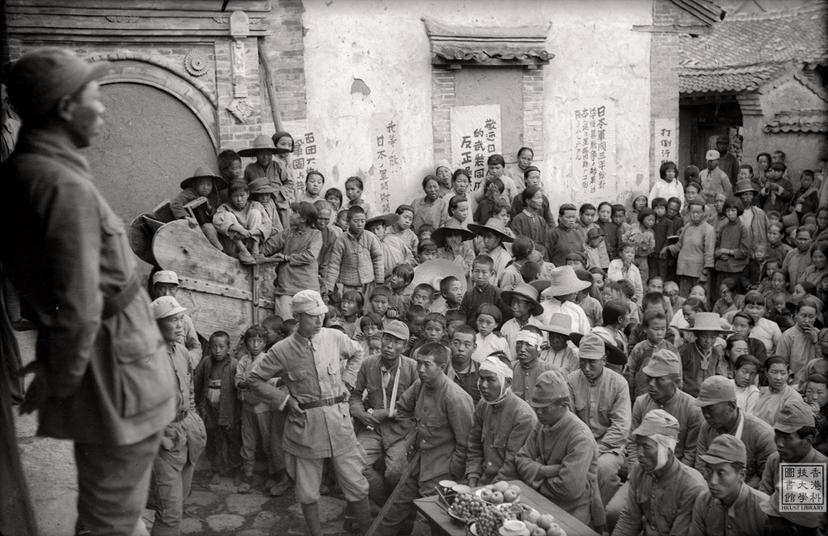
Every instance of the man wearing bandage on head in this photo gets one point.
(502, 422)
(528, 366)
(662, 489)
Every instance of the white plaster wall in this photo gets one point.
(384, 44)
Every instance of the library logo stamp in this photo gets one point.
(803, 487)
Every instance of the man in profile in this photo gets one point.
(102, 378)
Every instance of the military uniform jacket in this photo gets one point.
(604, 405)
(498, 433)
(368, 393)
(443, 418)
(310, 369)
(67, 255)
(742, 518)
(660, 505)
(756, 434)
(681, 406)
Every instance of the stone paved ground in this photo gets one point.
(210, 510)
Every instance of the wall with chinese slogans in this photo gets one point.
(368, 68)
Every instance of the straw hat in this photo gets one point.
(203, 172)
(261, 142)
(707, 322)
(493, 225)
(439, 234)
(562, 281)
(524, 292)
(434, 271)
(561, 324)
(387, 219)
(745, 185)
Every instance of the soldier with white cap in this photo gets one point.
(729, 506)
(713, 180)
(184, 439)
(662, 489)
(166, 283)
(318, 424)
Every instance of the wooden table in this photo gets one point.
(433, 510)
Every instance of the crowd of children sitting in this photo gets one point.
(728, 273)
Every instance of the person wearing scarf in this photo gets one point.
(502, 422)
(662, 489)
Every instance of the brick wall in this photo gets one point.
(285, 51)
(533, 111)
(443, 98)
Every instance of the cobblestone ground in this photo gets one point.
(210, 510)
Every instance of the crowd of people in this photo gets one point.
(645, 367)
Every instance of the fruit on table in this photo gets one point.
(545, 521)
(497, 497)
(501, 486)
(531, 516)
(555, 530)
(510, 495)
(486, 494)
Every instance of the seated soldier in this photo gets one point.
(602, 400)
(662, 489)
(529, 365)
(560, 457)
(443, 413)
(717, 399)
(383, 438)
(728, 506)
(502, 422)
(794, 430)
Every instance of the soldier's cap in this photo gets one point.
(725, 448)
(591, 347)
(396, 329)
(165, 276)
(712, 154)
(550, 387)
(658, 421)
(38, 80)
(166, 306)
(662, 363)
(716, 389)
(309, 302)
(793, 416)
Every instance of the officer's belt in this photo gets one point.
(324, 402)
(117, 303)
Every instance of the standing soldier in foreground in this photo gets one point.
(101, 376)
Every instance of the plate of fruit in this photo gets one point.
(499, 493)
(466, 507)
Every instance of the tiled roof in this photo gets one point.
(799, 121)
(729, 79)
(796, 34)
(745, 51)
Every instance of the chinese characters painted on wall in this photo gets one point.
(593, 151)
(475, 135)
(305, 155)
(665, 143)
(385, 143)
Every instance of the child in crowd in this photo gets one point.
(203, 185)
(354, 188)
(695, 249)
(560, 353)
(529, 222)
(455, 240)
(379, 301)
(655, 327)
(532, 177)
(482, 291)
(595, 249)
(744, 378)
(494, 235)
(426, 251)
(522, 248)
(415, 318)
(777, 192)
(350, 308)
(230, 166)
(274, 327)
(487, 320)
(591, 306)
(334, 197)
(263, 193)
(434, 330)
(394, 249)
(779, 310)
(486, 207)
(606, 222)
(284, 144)
(398, 282)
(639, 201)
(667, 185)
(369, 325)
(431, 208)
(644, 239)
(451, 290)
(356, 260)
(215, 398)
(260, 424)
(423, 296)
(732, 247)
(244, 223)
(314, 181)
(729, 297)
(625, 268)
(402, 227)
(460, 184)
(586, 217)
(262, 150)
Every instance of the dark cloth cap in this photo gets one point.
(37, 81)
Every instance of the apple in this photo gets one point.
(497, 497)
(486, 495)
(501, 486)
(515, 489)
(532, 516)
(545, 521)
(555, 530)
(537, 531)
(509, 495)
